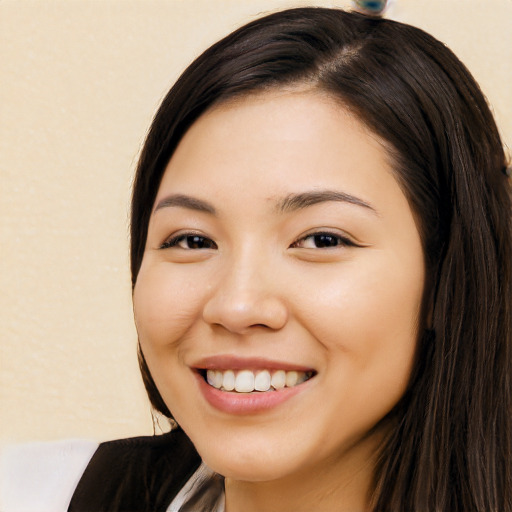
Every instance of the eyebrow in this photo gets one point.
(182, 201)
(293, 202)
(290, 203)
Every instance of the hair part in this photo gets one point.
(450, 448)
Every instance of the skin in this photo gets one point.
(266, 287)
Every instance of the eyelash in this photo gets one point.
(207, 243)
(341, 241)
(175, 241)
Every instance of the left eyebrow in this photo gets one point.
(183, 201)
(293, 202)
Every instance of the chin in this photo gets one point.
(257, 470)
(261, 461)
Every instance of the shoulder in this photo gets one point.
(142, 473)
(41, 477)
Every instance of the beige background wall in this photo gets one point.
(79, 82)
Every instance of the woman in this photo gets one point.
(321, 266)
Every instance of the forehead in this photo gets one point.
(284, 139)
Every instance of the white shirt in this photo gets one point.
(42, 477)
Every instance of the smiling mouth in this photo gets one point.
(249, 381)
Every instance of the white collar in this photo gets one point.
(203, 492)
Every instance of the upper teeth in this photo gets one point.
(246, 381)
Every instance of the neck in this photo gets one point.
(343, 484)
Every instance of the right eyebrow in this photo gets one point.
(303, 200)
(184, 201)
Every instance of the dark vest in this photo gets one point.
(141, 474)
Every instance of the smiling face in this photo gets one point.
(282, 256)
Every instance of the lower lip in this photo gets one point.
(246, 403)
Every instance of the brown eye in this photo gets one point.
(322, 241)
(189, 242)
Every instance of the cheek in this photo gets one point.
(367, 319)
(165, 307)
(363, 299)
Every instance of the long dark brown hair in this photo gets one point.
(449, 447)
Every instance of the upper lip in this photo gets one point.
(231, 362)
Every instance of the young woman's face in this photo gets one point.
(281, 252)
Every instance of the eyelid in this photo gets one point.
(346, 239)
(173, 240)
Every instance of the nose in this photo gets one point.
(246, 296)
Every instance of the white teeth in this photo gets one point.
(244, 382)
(247, 381)
(262, 381)
(214, 378)
(279, 379)
(228, 382)
(291, 379)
